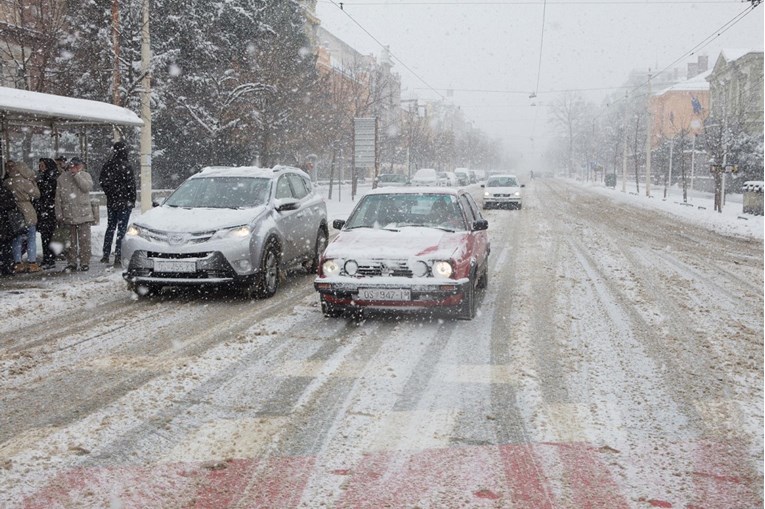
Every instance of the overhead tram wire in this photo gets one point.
(541, 47)
(403, 64)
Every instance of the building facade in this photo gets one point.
(736, 89)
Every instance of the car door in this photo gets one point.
(309, 216)
(287, 221)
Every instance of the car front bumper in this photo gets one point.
(204, 268)
(345, 292)
(491, 200)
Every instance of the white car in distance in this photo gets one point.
(502, 190)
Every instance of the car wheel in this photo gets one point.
(483, 281)
(329, 310)
(320, 246)
(467, 308)
(268, 280)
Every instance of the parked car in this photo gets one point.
(463, 177)
(473, 177)
(392, 180)
(237, 227)
(407, 249)
(443, 179)
(425, 177)
(502, 190)
(451, 179)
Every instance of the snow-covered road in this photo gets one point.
(616, 361)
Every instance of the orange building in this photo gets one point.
(680, 108)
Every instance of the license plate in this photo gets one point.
(174, 266)
(384, 294)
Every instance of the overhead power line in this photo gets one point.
(392, 55)
(541, 47)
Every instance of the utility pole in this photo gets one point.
(693, 168)
(116, 78)
(116, 74)
(146, 199)
(671, 150)
(649, 126)
(624, 156)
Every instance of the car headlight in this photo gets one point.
(517, 193)
(330, 268)
(351, 267)
(420, 269)
(487, 194)
(237, 232)
(137, 231)
(442, 269)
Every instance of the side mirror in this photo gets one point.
(523, 185)
(480, 224)
(287, 204)
(483, 185)
(154, 203)
(338, 224)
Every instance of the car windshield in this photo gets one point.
(502, 182)
(392, 178)
(396, 211)
(221, 193)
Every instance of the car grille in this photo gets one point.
(178, 238)
(176, 256)
(503, 195)
(387, 268)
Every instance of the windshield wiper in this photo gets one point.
(422, 225)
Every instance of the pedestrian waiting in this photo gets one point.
(73, 209)
(47, 177)
(117, 180)
(20, 180)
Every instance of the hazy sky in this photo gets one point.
(488, 52)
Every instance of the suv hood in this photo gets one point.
(176, 219)
(404, 244)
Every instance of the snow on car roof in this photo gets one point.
(414, 190)
(503, 175)
(244, 171)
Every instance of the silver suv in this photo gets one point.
(228, 226)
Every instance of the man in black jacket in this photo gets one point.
(117, 180)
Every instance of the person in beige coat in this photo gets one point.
(20, 181)
(73, 210)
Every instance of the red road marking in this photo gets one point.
(591, 483)
(720, 477)
(540, 476)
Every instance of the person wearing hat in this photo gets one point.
(117, 180)
(73, 209)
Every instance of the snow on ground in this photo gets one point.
(699, 210)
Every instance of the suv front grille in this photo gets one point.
(176, 256)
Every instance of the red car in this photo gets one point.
(404, 249)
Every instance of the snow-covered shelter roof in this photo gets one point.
(21, 107)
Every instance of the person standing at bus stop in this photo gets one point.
(73, 210)
(117, 180)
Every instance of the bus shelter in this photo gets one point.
(22, 108)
